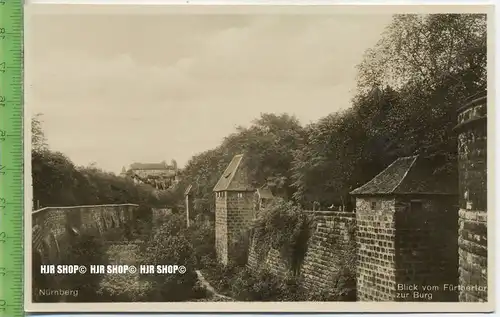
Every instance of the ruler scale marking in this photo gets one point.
(11, 159)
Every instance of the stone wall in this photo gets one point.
(271, 260)
(52, 227)
(233, 215)
(326, 246)
(221, 235)
(331, 243)
(376, 230)
(426, 248)
(472, 232)
(398, 247)
(240, 214)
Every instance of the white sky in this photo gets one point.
(118, 89)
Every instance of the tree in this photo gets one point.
(170, 245)
(410, 85)
(427, 50)
(268, 144)
(58, 182)
(38, 140)
(435, 62)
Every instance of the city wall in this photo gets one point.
(53, 227)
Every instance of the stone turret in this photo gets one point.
(472, 172)
(233, 208)
(401, 214)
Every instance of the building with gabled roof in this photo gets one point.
(262, 197)
(233, 207)
(159, 175)
(407, 175)
(407, 222)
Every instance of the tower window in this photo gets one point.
(240, 195)
(373, 205)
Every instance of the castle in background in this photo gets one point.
(159, 175)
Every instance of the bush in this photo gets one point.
(125, 287)
(284, 227)
(287, 228)
(170, 245)
(241, 283)
(263, 286)
(202, 237)
(86, 249)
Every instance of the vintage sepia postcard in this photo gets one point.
(259, 158)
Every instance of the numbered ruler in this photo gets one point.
(11, 158)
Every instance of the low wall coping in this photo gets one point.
(331, 213)
(84, 206)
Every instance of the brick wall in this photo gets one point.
(51, 226)
(221, 233)
(325, 249)
(376, 270)
(271, 261)
(399, 247)
(240, 214)
(233, 214)
(472, 232)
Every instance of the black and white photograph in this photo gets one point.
(248, 158)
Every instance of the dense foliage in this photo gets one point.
(284, 227)
(170, 244)
(58, 182)
(86, 249)
(268, 144)
(410, 85)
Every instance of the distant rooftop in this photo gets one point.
(150, 166)
(406, 175)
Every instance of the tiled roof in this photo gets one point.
(406, 175)
(265, 192)
(164, 173)
(149, 166)
(234, 177)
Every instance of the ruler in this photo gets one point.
(11, 159)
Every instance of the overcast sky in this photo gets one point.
(118, 89)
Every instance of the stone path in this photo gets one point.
(211, 290)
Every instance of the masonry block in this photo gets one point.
(472, 231)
